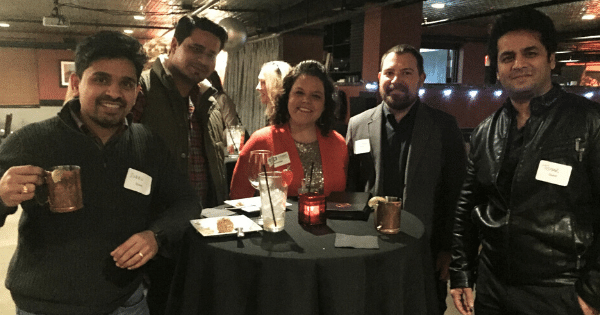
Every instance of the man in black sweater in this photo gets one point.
(135, 201)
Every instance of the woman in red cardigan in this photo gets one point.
(301, 135)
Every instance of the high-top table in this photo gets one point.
(299, 271)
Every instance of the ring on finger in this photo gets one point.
(141, 255)
(25, 190)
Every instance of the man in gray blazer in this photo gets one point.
(407, 149)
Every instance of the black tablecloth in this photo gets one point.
(299, 271)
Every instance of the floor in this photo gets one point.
(8, 243)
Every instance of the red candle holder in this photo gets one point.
(311, 209)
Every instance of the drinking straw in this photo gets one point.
(269, 192)
(231, 135)
(312, 165)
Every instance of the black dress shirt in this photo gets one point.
(395, 142)
(518, 138)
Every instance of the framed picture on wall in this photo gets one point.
(66, 68)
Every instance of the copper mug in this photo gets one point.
(387, 215)
(64, 188)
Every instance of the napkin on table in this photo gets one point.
(356, 241)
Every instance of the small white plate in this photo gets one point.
(208, 226)
(251, 204)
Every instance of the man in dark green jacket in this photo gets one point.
(189, 121)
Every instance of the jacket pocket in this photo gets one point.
(564, 150)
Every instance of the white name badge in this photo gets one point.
(280, 160)
(553, 173)
(138, 181)
(362, 146)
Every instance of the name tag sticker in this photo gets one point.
(138, 181)
(280, 160)
(553, 173)
(362, 146)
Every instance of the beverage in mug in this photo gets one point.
(387, 216)
(273, 196)
(64, 188)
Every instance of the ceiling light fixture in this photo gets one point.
(128, 31)
(139, 17)
(438, 5)
(588, 17)
(2, 24)
(563, 52)
(570, 60)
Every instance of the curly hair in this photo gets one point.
(315, 69)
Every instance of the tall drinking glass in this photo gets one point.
(235, 139)
(258, 159)
(273, 195)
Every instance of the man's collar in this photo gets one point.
(387, 112)
(540, 104)
(164, 75)
(73, 107)
(163, 59)
(167, 77)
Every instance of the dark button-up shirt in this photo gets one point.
(395, 141)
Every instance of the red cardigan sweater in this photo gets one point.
(278, 139)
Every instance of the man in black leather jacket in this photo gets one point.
(530, 202)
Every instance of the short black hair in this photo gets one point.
(315, 69)
(186, 25)
(405, 49)
(522, 19)
(109, 45)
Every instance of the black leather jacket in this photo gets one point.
(546, 233)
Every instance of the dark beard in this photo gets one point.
(397, 103)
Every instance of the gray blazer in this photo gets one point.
(436, 167)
